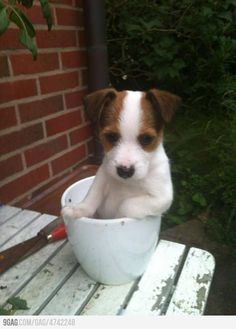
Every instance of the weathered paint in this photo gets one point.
(155, 286)
(73, 294)
(16, 277)
(6, 212)
(45, 283)
(52, 282)
(15, 224)
(193, 286)
(108, 300)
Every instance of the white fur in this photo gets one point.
(128, 152)
(147, 193)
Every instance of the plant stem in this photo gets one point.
(17, 14)
(144, 32)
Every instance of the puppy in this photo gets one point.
(134, 179)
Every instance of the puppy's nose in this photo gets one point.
(125, 172)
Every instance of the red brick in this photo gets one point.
(69, 159)
(39, 109)
(69, 17)
(10, 40)
(35, 15)
(8, 117)
(24, 63)
(23, 184)
(10, 166)
(56, 38)
(17, 90)
(45, 150)
(74, 59)
(63, 123)
(20, 138)
(59, 82)
(75, 98)
(80, 134)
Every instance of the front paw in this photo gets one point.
(75, 211)
(68, 212)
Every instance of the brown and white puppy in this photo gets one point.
(134, 179)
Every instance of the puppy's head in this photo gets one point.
(130, 127)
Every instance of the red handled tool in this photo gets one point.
(52, 232)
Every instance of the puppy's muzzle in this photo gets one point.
(125, 172)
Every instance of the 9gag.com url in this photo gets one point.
(37, 321)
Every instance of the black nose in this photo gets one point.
(125, 172)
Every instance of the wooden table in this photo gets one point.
(177, 280)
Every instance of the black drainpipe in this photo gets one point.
(98, 76)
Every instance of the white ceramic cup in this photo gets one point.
(111, 251)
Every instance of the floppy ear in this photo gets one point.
(164, 103)
(96, 102)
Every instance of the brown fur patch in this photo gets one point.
(150, 126)
(104, 107)
(95, 103)
(164, 104)
(109, 123)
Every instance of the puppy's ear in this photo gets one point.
(164, 103)
(96, 102)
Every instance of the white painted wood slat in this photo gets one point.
(52, 282)
(72, 295)
(15, 224)
(193, 286)
(7, 212)
(17, 276)
(48, 280)
(108, 300)
(157, 281)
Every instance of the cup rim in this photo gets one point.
(100, 221)
(63, 197)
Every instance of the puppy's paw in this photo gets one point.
(68, 212)
(75, 211)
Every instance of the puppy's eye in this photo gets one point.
(112, 137)
(145, 139)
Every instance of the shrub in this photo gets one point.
(189, 48)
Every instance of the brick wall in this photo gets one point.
(43, 131)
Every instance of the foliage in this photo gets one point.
(187, 47)
(170, 42)
(202, 147)
(16, 303)
(12, 11)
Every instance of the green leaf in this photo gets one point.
(18, 303)
(22, 22)
(175, 219)
(134, 27)
(46, 12)
(27, 41)
(3, 311)
(4, 20)
(200, 199)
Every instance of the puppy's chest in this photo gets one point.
(114, 197)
